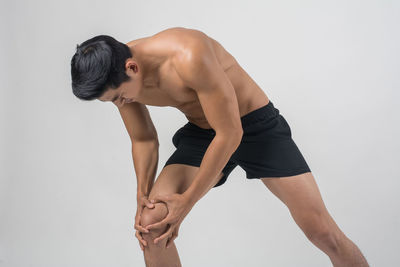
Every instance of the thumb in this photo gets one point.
(158, 198)
(148, 204)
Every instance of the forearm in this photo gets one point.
(215, 158)
(145, 161)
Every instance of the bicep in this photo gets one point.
(219, 103)
(137, 121)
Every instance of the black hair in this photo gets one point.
(98, 64)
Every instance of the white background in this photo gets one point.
(67, 188)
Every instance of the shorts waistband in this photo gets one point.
(263, 113)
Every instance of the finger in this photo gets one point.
(138, 227)
(138, 215)
(159, 198)
(172, 238)
(149, 204)
(160, 224)
(141, 228)
(140, 238)
(166, 234)
(169, 241)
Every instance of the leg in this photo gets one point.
(301, 195)
(174, 178)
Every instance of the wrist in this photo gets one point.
(190, 198)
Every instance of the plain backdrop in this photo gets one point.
(68, 187)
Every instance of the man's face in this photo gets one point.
(128, 91)
(118, 96)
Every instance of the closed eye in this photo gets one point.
(114, 99)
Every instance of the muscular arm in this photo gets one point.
(145, 144)
(200, 70)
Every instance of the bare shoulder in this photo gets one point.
(185, 33)
(138, 123)
(196, 59)
(183, 40)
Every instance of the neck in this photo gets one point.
(149, 64)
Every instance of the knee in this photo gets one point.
(150, 216)
(321, 231)
(325, 237)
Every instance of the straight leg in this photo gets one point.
(302, 197)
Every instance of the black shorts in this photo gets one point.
(266, 149)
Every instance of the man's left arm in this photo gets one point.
(201, 71)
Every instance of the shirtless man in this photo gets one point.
(231, 122)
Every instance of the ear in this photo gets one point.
(130, 64)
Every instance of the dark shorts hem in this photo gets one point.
(183, 163)
(225, 172)
(278, 174)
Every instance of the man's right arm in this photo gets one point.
(145, 144)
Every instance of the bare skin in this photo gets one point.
(162, 86)
(163, 74)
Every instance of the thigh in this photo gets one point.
(300, 193)
(176, 178)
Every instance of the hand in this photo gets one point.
(178, 207)
(142, 201)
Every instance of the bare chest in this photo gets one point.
(171, 91)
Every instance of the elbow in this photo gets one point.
(238, 134)
(234, 137)
(152, 142)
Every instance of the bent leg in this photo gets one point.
(174, 178)
(157, 254)
(302, 197)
